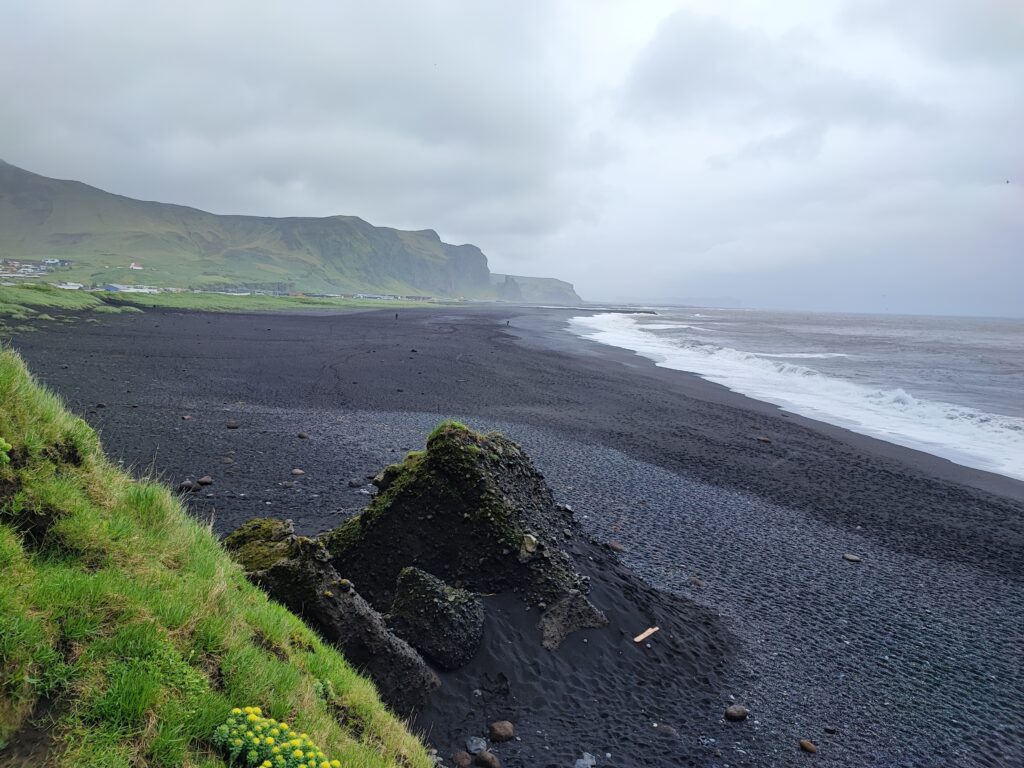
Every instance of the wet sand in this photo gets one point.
(912, 656)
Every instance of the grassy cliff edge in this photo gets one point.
(126, 632)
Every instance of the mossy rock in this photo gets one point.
(260, 542)
(472, 510)
(444, 623)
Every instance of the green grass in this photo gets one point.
(25, 302)
(444, 426)
(128, 617)
(216, 302)
(22, 302)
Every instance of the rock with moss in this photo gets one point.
(443, 623)
(296, 571)
(473, 511)
(260, 542)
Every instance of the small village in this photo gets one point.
(29, 269)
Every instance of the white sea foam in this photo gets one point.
(967, 436)
(673, 326)
(802, 355)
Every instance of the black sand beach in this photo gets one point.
(910, 657)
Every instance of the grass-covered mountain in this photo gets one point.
(102, 234)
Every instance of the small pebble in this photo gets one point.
(297, 472)
(808, 746)
(851, 558)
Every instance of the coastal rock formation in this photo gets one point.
(443, 623)
(471, 510)
(296, 572)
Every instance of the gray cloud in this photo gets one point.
(696, 65)
(983, 31)
(406, 117)
(853, 158)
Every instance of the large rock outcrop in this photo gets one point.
(472, 511)
(296, 572)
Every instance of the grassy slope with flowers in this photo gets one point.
(127, 635)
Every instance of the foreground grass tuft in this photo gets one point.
(125, 623)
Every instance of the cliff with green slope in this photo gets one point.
(103, 234)
(127, 634)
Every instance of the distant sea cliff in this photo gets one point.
(108, 238)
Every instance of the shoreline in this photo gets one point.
(664, 462)
(701, 388)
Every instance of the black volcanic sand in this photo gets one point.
(910, 657)
(601, 692)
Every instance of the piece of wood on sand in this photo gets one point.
(645, 634)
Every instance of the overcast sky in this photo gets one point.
(818, 155)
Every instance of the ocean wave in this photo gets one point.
(673, 326)
(967, 436)
(802, 355)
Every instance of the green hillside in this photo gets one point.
(102, 234)
(127, 634)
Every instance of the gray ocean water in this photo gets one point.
(951, 386)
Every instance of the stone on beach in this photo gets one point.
(487, 759)
(736, 713)
(205, 480)
(297, 472)
(476, 744)
(232, 425)
(462, 759)
(808, 746)
(501, 730)
(850, 558)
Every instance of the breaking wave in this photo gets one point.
(967, 436)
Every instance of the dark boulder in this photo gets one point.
(443, 623)
(471, 510)
(296, 572)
